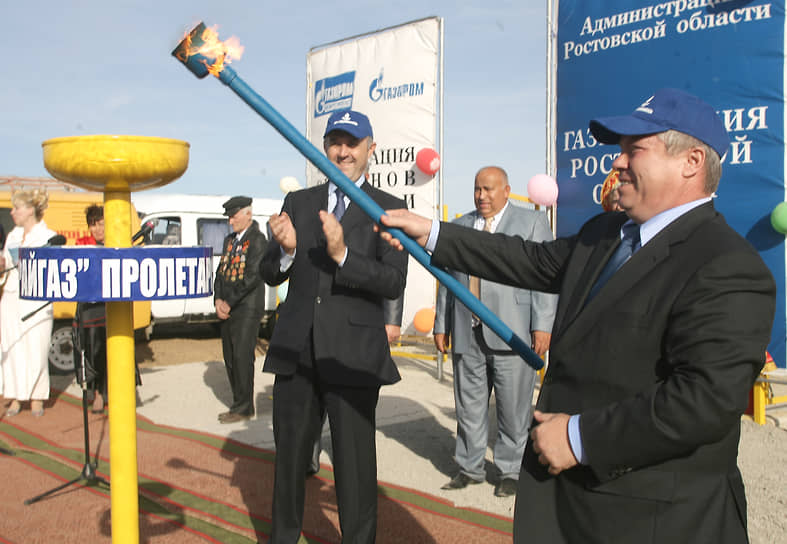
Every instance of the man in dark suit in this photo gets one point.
(329, 348)
(239, 298)
(393, 311)
(638, 419)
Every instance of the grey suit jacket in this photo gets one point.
(522, 310)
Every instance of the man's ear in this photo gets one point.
(695, 162)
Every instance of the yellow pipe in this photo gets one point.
(759, 400)
(124, 489)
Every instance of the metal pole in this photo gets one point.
(121, 379)
(440, 180)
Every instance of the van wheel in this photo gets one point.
(61, 350)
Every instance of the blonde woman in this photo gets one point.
(25, 344)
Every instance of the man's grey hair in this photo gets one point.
(677, 142)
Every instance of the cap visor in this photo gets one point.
(608, 130)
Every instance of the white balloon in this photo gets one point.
(288, 184)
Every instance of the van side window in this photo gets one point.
(211, 232)
(166, 231)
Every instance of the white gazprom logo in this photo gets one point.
(334, 93)
(644, 108)
(345, 120)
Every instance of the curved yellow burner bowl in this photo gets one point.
(116, 163)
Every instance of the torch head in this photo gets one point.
(203, 53)
(189, 52)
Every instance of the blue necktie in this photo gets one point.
(339, 209)
(628, 246)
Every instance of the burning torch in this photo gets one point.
(203, 54)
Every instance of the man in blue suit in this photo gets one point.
(482, 361)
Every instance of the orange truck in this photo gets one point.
(65, 214)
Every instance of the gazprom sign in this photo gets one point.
(334, 93)
(98, 274)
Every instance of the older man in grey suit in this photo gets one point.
(482, 361)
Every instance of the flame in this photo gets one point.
(212, 48)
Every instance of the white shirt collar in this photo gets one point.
(332, 186)
(240, 234)
(650, 228)
(479, 221)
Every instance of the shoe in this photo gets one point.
(506, 488)
(13, 409)
(223, 415)
(98, 404)
(37, 408)
(460, 481)
(233, 417)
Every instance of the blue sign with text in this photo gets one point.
(98, 274)
(611, 58)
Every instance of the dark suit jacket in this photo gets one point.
(238, 280)
(658, 364)
(341, 307)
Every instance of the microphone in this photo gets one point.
(144, 230)
(56, 240)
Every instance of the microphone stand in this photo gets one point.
(34, 312)
(88, 474)
(55, 241)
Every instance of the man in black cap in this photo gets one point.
(661, 328)
(239, 297)
(329, 349)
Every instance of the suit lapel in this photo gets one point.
(308, 222)
(354, 214)
(505, 221)
(587, 262)
(319, 199)
(644, 261)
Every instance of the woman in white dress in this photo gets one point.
(25, 344)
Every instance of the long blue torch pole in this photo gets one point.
(197, 64)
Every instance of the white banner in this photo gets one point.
(393, 77)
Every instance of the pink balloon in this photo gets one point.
(428, 161)
(542, 189)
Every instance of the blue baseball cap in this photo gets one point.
(351, 122)
(666, 109)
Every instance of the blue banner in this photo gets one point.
(98, 274)
(610, 58)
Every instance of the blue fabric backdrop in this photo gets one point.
(611, 57)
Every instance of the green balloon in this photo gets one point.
(779, 218)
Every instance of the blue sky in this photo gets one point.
(104, 67)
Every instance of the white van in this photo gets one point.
(197, 220)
